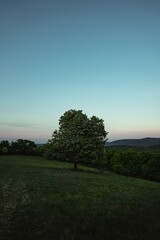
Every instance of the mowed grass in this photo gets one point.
(42, 199)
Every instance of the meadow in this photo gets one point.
(41, 199)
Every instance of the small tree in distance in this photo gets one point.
(78, 139)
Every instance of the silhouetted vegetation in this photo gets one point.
(80, 139)
(136, 162)
(132, 162)
(21, 147)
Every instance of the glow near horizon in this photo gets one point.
(102, 58)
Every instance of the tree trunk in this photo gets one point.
(75, 165)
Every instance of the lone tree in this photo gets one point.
(78, 139)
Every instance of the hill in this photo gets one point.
(43, 199)
(144, 142)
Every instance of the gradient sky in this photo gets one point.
(99, 56)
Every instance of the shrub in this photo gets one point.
(4, 150)
(120, 169)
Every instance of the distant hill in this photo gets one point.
(144, 142)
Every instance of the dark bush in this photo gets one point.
(120, 169)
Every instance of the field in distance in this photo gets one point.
(41, 199)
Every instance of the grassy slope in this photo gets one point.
(40, 199)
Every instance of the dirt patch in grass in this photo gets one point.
(14, 198)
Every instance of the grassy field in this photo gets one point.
(42, 199)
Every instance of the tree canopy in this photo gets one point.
(22, 146)
(78, 139)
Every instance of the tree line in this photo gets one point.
(81, 139)
(132, 162)
(19, 147)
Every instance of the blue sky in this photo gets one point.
(99, 56)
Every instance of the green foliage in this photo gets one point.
(117, 168)
(4, 150)
(40, 150)
(136, 163)
(152, 168)
(4, 147)
(21, 146)
(25, 147)
(79, 138)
